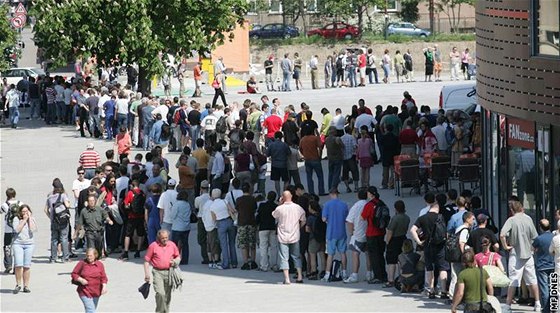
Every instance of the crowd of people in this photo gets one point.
(351, 67)
(127, 201)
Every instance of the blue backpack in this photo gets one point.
(450, 135)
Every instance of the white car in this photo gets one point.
(14, 75)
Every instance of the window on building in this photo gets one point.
(547, 28)
(392, 6)
(275, 6)
(252, 7)
(311, 6)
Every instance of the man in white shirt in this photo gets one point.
(358, 243)
(166, 201)
(220, 68)
(338, 121)
(226, 231)
(314, 65)
(79, 184)
(218, 167)
(439, 132)
(462, 232)
(365, 119)
(208, 125)
(199, 204)
(232, 195)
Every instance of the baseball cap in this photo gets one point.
(204, 184)
(90, 145)
(171, 182)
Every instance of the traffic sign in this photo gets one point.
(20, 10)
(18, 21)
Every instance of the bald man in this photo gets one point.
(290, 218)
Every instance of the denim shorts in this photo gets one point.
(334, 245)
(22, 254)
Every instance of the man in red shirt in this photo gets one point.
(162, 254)
(272, 123)
(135, 214)
(89, 160)
(375, 239)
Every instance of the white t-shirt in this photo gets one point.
(555, 249)
(365, 120)
(166, 201)
(338, 121)
(355, 217)
(161, 109)
(101, 103)
(219, 208)
(121, 184)
(199, 203)
(122, 106)
(209, 223)
(80, 185)
(424, 211)
(464, 235)
(236, 194)
(209, 122)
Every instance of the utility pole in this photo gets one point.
(387, 19)
(431, 8)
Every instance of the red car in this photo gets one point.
(336, 30)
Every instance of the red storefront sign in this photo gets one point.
(520, 133)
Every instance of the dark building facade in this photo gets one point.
(518, 87)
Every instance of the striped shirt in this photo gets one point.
(350, 145)
(90, 159)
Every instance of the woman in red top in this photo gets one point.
(89, 274)
(109, 196)
(123, 142)
(428, 142)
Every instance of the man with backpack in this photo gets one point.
(134, 207)
(455, 246)
(334, 214)
(57, 210)
(377, 216)
(10, 208)
(429, 231)
(222, 126)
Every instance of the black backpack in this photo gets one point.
(336, 271)
(382, 215)
(138, 201)
(452, 248)
(61, 213)
(165, 132)
(12, 212)
(339, 63)
(221, 124)
(439, 233)
(319, 230)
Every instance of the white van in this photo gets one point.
(460, 96)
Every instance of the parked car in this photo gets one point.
(14, 75)
(458, 96)
(276, 30)
(336, 30)
(408, 29)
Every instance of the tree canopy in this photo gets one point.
(7, 39)
(134, 31)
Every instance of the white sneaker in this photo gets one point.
(537, 308)
(369, 276)
(325, 278)
(351, 280)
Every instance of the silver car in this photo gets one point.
(408, 29)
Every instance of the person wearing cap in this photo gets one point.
(226, 230)
(199, 203)
(476, 235)
(334, 214)
(166, 201)
(375, 238)
(89, 160)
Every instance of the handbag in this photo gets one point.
(75, 282)
(499, 278)
(484, 306)
(215, 83)
(193, 218)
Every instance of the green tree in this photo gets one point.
(409, 11)
(452, 9)
(7, 39)
(134, 31)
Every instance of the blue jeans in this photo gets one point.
(59, 236)
(35, 107)
(181, 239)
(195, 134)
(542, 280)
(14, 115)
(146, 136)
(121, 120)
(286, 81)
(51, 113)
(352, 76)
(310, 166)
(153, 228)
(60, 111)
(90, 304)
(386, 70)
(227, 233)
(335, 169)
(23, 253)
(109, 120)
(333, 78)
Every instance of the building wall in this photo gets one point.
(511, 80)
(443, 22)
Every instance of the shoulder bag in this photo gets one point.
(499, 278)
